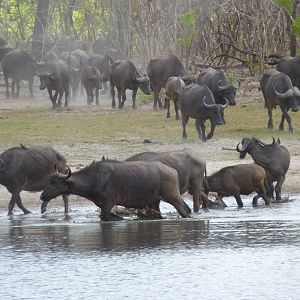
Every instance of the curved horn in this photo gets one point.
(226, 103)
(296, 91)
(289, 93)
(62, 176)
(244, 147)
(207, 105)
(142, 79)
(220, 87)
(1, 163)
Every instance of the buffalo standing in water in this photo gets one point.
(132, 184)
(274, 158)
(28, 169)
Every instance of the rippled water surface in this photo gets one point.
(249, 253)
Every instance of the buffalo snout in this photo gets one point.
(295, 109)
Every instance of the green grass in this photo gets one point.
(88, 125)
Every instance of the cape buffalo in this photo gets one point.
(56, 78)
(108, 46)
(278, 90)
(197, 102)
(102, 63)
(160, 70)
(18, 65)
(124, 75)
(28, 169)
(274, 158)
(91, 81)
(189, 166)
(239, 180)
(133, 184)
(291, 67)
(219, 85)
(174, 88)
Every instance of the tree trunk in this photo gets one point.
(40, 26)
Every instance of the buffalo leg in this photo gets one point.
(278, 187)
(119, 98)
(184, 120)
(270, 122)
(105, 87)
(113, 93)
(59, 99)
(238, 200)
(123, 96)
(97, 96)
(18, 86)
(15, 198)
(286, 116)
(134, 98)
(106, 214)
(66, 97)
(66, 203)
(156, 99)
(167, 106)
(13, 86)
(176, 109)
(212, 130)
(200, 126)
(196, 188)
(180, 206)
(30, 84)
(6, 84)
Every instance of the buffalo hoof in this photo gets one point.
(110, 217)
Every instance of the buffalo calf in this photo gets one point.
(92, 82)
(239, 180)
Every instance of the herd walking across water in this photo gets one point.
(145, 179)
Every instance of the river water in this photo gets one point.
(249, 253)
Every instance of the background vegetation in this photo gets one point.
(201, 32)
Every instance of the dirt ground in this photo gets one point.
(80, 155)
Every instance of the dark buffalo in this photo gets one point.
(174, 88)
(108, 46)
(67, 44)
(91, 81)
(133, 184)
(102, 63)
(239, 180)
(274, 158)
(124, 75)
(291, 67)
(75, 65)
(50, 56)
(219, 85)
(197, 102)
(189, 166)
(160, 70)
(278, 90)
(18, 65)
(28, 169)
(4, 48)
(56, 78)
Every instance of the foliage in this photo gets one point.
(287, 4)
(296, 26)
(188, 21)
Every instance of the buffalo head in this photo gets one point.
(216, 112)
(59, 184)
(143, 82)
(227, 91)
(291, 97)
(46, 79)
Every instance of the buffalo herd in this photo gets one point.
(145, 179)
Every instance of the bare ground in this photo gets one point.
(79, 155)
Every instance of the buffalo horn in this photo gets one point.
(207, 105)
(226, 103)
(289, 93)
(220, 87)
(296, 91)
(1, 163)
(244, 147)
(142, 79)
(63, 176)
